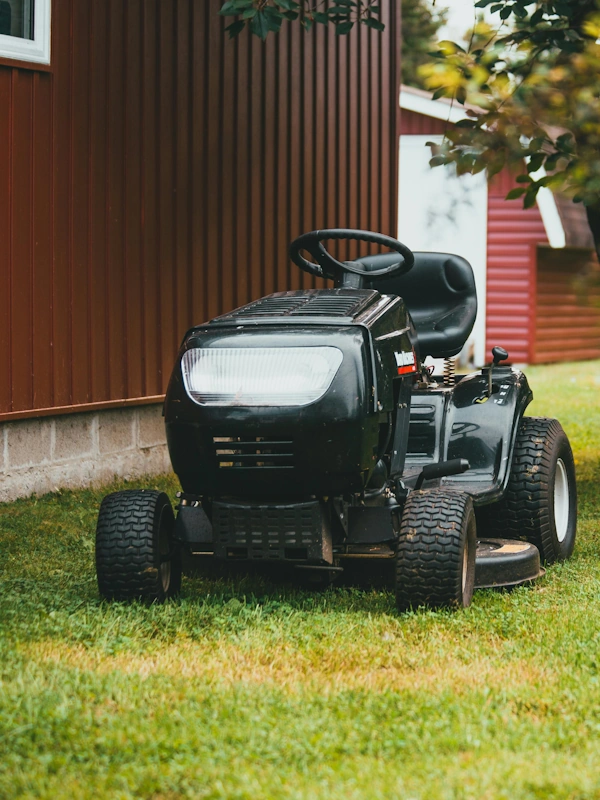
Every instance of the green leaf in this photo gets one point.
(235, 28)
(461, 95)
(514, 194)
(438, 161)
(441, 92)
(530, 196)
(535, 162)
(235, 7)
(506, 12)
(565, 142)
(260, 25)
(537, 17)
(552, 161)
(228, 9)
(523, 179)
(343, 28)
(374, 23)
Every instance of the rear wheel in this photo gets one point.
(540, 503)
(435, 559)
(136, 555)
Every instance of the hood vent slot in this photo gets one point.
(347, 303)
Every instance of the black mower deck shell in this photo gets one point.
(463, 422)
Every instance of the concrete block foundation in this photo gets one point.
(76, 450)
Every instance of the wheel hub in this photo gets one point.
(561, 500)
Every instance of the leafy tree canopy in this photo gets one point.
(532, 90)
(421, 21)
(265, 16)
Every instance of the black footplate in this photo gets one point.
(296, 532)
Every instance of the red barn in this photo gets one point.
(152, 175)
(529, 263)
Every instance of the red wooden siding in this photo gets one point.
(154, 176)
(513, 233)
(413, 123)
(567, 319)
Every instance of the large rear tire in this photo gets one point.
(435, 558)
(540, 503)
(136, 555)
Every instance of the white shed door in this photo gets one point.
(441, 212)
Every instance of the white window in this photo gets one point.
(25, 30)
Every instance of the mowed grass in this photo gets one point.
(244, 688)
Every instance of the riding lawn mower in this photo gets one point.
(308, 434)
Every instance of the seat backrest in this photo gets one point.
(439, 292)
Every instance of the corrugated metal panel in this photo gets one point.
(155, 176)
(513, 233)
(568, 305)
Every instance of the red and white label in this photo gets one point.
(406, 362)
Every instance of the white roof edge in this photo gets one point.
(551, 218)
(422, 103)
(546, 203)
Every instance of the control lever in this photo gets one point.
(498, 354)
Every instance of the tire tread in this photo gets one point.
(430, 549)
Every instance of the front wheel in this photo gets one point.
(540, 503)
(136, 555)
(435, 558)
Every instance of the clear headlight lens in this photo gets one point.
(259, 376)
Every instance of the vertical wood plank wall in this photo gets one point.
(154, 176)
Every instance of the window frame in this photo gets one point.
(36, 50)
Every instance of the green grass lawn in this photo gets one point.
(246, 689)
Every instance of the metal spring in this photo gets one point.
(449, 371)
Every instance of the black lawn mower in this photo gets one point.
(308, 434)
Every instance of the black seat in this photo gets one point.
(439, 292)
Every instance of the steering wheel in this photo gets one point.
(329, 267)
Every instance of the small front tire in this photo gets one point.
(435, 557)
(136, 555)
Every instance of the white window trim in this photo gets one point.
(36, 50)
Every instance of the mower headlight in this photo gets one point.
(259, 376)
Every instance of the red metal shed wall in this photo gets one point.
(154, 176)
(567, 319)
(513, 233)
